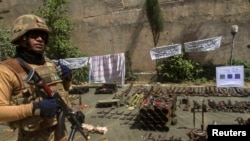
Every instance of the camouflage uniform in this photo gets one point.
(17, 95)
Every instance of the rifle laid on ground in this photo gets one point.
(75, 118)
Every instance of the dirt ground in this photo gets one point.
(122, 130)
(122, 123)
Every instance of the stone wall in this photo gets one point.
(113, 26)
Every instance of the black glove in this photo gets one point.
(65, 72)
(45, 108)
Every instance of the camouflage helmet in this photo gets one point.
(26, 23)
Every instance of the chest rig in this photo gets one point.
(28, 92)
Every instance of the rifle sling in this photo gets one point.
(25, 66)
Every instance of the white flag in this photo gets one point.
(165, 51)
(203, 45)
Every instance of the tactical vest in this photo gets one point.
(29, 93)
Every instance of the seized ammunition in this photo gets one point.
(143, 127)
(161, 111)
(156, 110)
(190, 91)
(109, 117)
(186, 102)
(151, 112)
(165, 128)
(212, 104)
(130, 99)
(127, 114)
(115, 117)
(151, 127)
(213, 90)
(143, 120)
(164, 118)
(137, 100)
(119, 113)
(158, 120)
(143, 111)
(159, 127)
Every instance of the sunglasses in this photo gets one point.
(36, 33)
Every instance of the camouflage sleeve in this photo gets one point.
(10, 85)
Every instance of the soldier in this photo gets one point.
(21, 104)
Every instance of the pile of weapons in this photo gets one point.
(134, 100)
(241, 121)
(106, 88)
(78, 90)
(208, 91)
(151, 137)
(121, 115)
(157, 111)
(229, 106)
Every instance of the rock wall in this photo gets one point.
(113, 26)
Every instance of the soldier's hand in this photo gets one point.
(45, 108)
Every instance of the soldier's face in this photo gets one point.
(37, 40)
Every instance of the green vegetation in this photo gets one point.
(60, 44)
(177, 69)
(7, 49)
(156, 21)
(246, 68)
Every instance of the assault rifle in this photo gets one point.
(75, 118)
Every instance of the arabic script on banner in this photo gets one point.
(203, 45)
(165, 51)
(74, 63)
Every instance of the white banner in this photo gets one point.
(230, 76)
(107, 68)
(165, 51)
(203, 45)
(74, 63)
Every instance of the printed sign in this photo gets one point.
(230, 76)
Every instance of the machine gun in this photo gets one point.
(75, 118)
